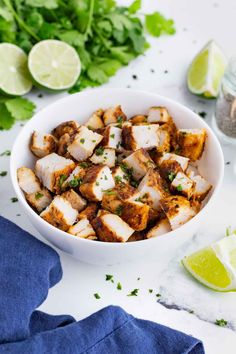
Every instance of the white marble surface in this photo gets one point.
(197, 22)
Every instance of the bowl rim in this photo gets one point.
(64, 234)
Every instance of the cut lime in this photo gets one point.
(215, 266)
(14, 76)
(206, 71)
(54, 65)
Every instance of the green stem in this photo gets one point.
(20, 21)
(91, 10)
(101, 38)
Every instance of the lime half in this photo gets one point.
(14, 76)
(206, 71)
(215, 266)
(54, 64)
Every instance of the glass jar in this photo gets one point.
(225, 112)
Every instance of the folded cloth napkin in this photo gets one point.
(28, 268)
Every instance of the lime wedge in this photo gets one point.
(206, 71)
(215, 266)
(14, 76)
(54, 65)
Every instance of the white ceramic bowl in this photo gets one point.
(79, 107)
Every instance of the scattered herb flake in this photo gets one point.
(171, 176)
(157, 24)
(97, 183)
(112, 136)
(38, 195)
(109, 277)
(158, 295)
(109, 191)
(82, 140)
(179, 188)
(202, 114)
(119, 286)
(62, 180)
(6, 153)
(3, 173)
(133, 292)
(14, 199)
(118, 179)
(119, 210)
(221, 323)
(85, 164)
(150, 291)
(75, 182)
(97, 296)
(99, 151)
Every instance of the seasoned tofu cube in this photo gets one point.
(135, 213)
(138, 119)
(83, 229)
(191, 171)
(182, 184)
(70, 127)
(112, 138)
(63, 143)
(60, 213)
(139, 162)
(53, 170)
(161, 228)
(39, 200)
(104, 156)
(178, 210)
(111, 228)
(201, 187)
(75, 178)
(36, 195)
(97, 180)
(84, 143)
(119, 175)
(164, 141)
(135, 137)
(191, 142)
(168, 169)
(27, 180)
(76, 201)
(171, 128)
(151, 189)
(123, 154)
(42, 144)
(90, 212)
(95, 121)
(158, 115)
(114, 115)
(183, 161)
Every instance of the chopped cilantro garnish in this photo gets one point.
(134, 183)
(118, 179)
(14, 199)
(97, 183)
(133, 292)
(119, 210)
(75, 182)
(112, 136)
(158, 295)
(171, 176)
(3, 173)
(191, 311)
(99, 151)
(109, 277)
(119, 121)
(38, 195)
(62, 180)
(6, 153)
(150, 291)
(105, 178)
(97, 296)
(179, 188)
(85, 164)
(202, 114)
(119, 286)
(82, 140)
(109, 192)
(221, 323)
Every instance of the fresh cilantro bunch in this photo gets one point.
(105, 35)
(14, 109)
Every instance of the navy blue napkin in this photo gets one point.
(28, 268)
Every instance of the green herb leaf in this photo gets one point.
(3, 173)
(179, 188)
(6, 119)
(62, 180)
(95, 73)
(14, 199)
(171, 176)
(150, 291)
(6, 153)
(75, 182)
(135, 6)
(20, 108)
(133, 292)
(99, 151)
(97, 296)
(119, 286)
(221, 323)
(119, 210)
(157, 24)
(38, 195)
(47, 4)
(109, 277)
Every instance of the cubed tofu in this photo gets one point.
(138, 119)
(70, 127)
(63, 143)
(42, 144)
(105, 156)
(60, 213)
(119, 175)
(191, 171)
(114, 115)
(136, 214)
(135, 137)
(84, 143)
(161, 228)
(158, 115)
(122, 155)
(95, 121)
(97, 180)
(76, 201)
(183, 185)
(83, 229)
(201, 187)
(164, 141)
(168, 169)
(39, 200)
(53, 170)
(191, 142)
(151, 189)
(183, 161)
(139, 161)
(27, 180)
(171, 128)
(75, 178)
(178, 210)
(90, 212)
(111, 228)
(112, 138)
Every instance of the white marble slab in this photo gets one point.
(197, 22)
